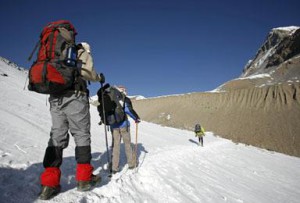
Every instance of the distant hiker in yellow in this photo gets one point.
(199, 132)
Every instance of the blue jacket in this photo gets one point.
(129, 111)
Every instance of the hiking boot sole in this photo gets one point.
(48, 192)
(89, 186)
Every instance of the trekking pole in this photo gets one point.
(29, 58)
(104, 118)
(34, 49)
(136, 138)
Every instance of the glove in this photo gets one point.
(102, 78)
(137, 121)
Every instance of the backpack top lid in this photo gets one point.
(107, 88)
(57, 24)
(113, 92)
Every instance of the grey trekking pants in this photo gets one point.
(70, 112)
(118, 134)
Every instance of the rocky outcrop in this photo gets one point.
(286, 49)
(280, 45)
(266, 117)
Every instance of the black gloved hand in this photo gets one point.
(102, 78)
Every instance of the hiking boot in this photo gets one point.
(112, 173)
(88, 185)
(131, 167)
(49, 192)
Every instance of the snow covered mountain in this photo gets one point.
(172, 167)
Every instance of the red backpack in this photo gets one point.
(55, 70)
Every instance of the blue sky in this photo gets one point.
(153, 47)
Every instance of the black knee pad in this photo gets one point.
(53, 157)
(83, 154)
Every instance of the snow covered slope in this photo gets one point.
(172, 167)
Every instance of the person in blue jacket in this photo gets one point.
(122, 130)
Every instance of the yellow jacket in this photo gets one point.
(200, 133)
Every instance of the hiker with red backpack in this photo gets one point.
(61, 70)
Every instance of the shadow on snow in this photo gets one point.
(23, 185)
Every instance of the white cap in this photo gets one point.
(86, 46)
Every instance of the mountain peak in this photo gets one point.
(276, 61)
(281, 45)
(288, 29)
